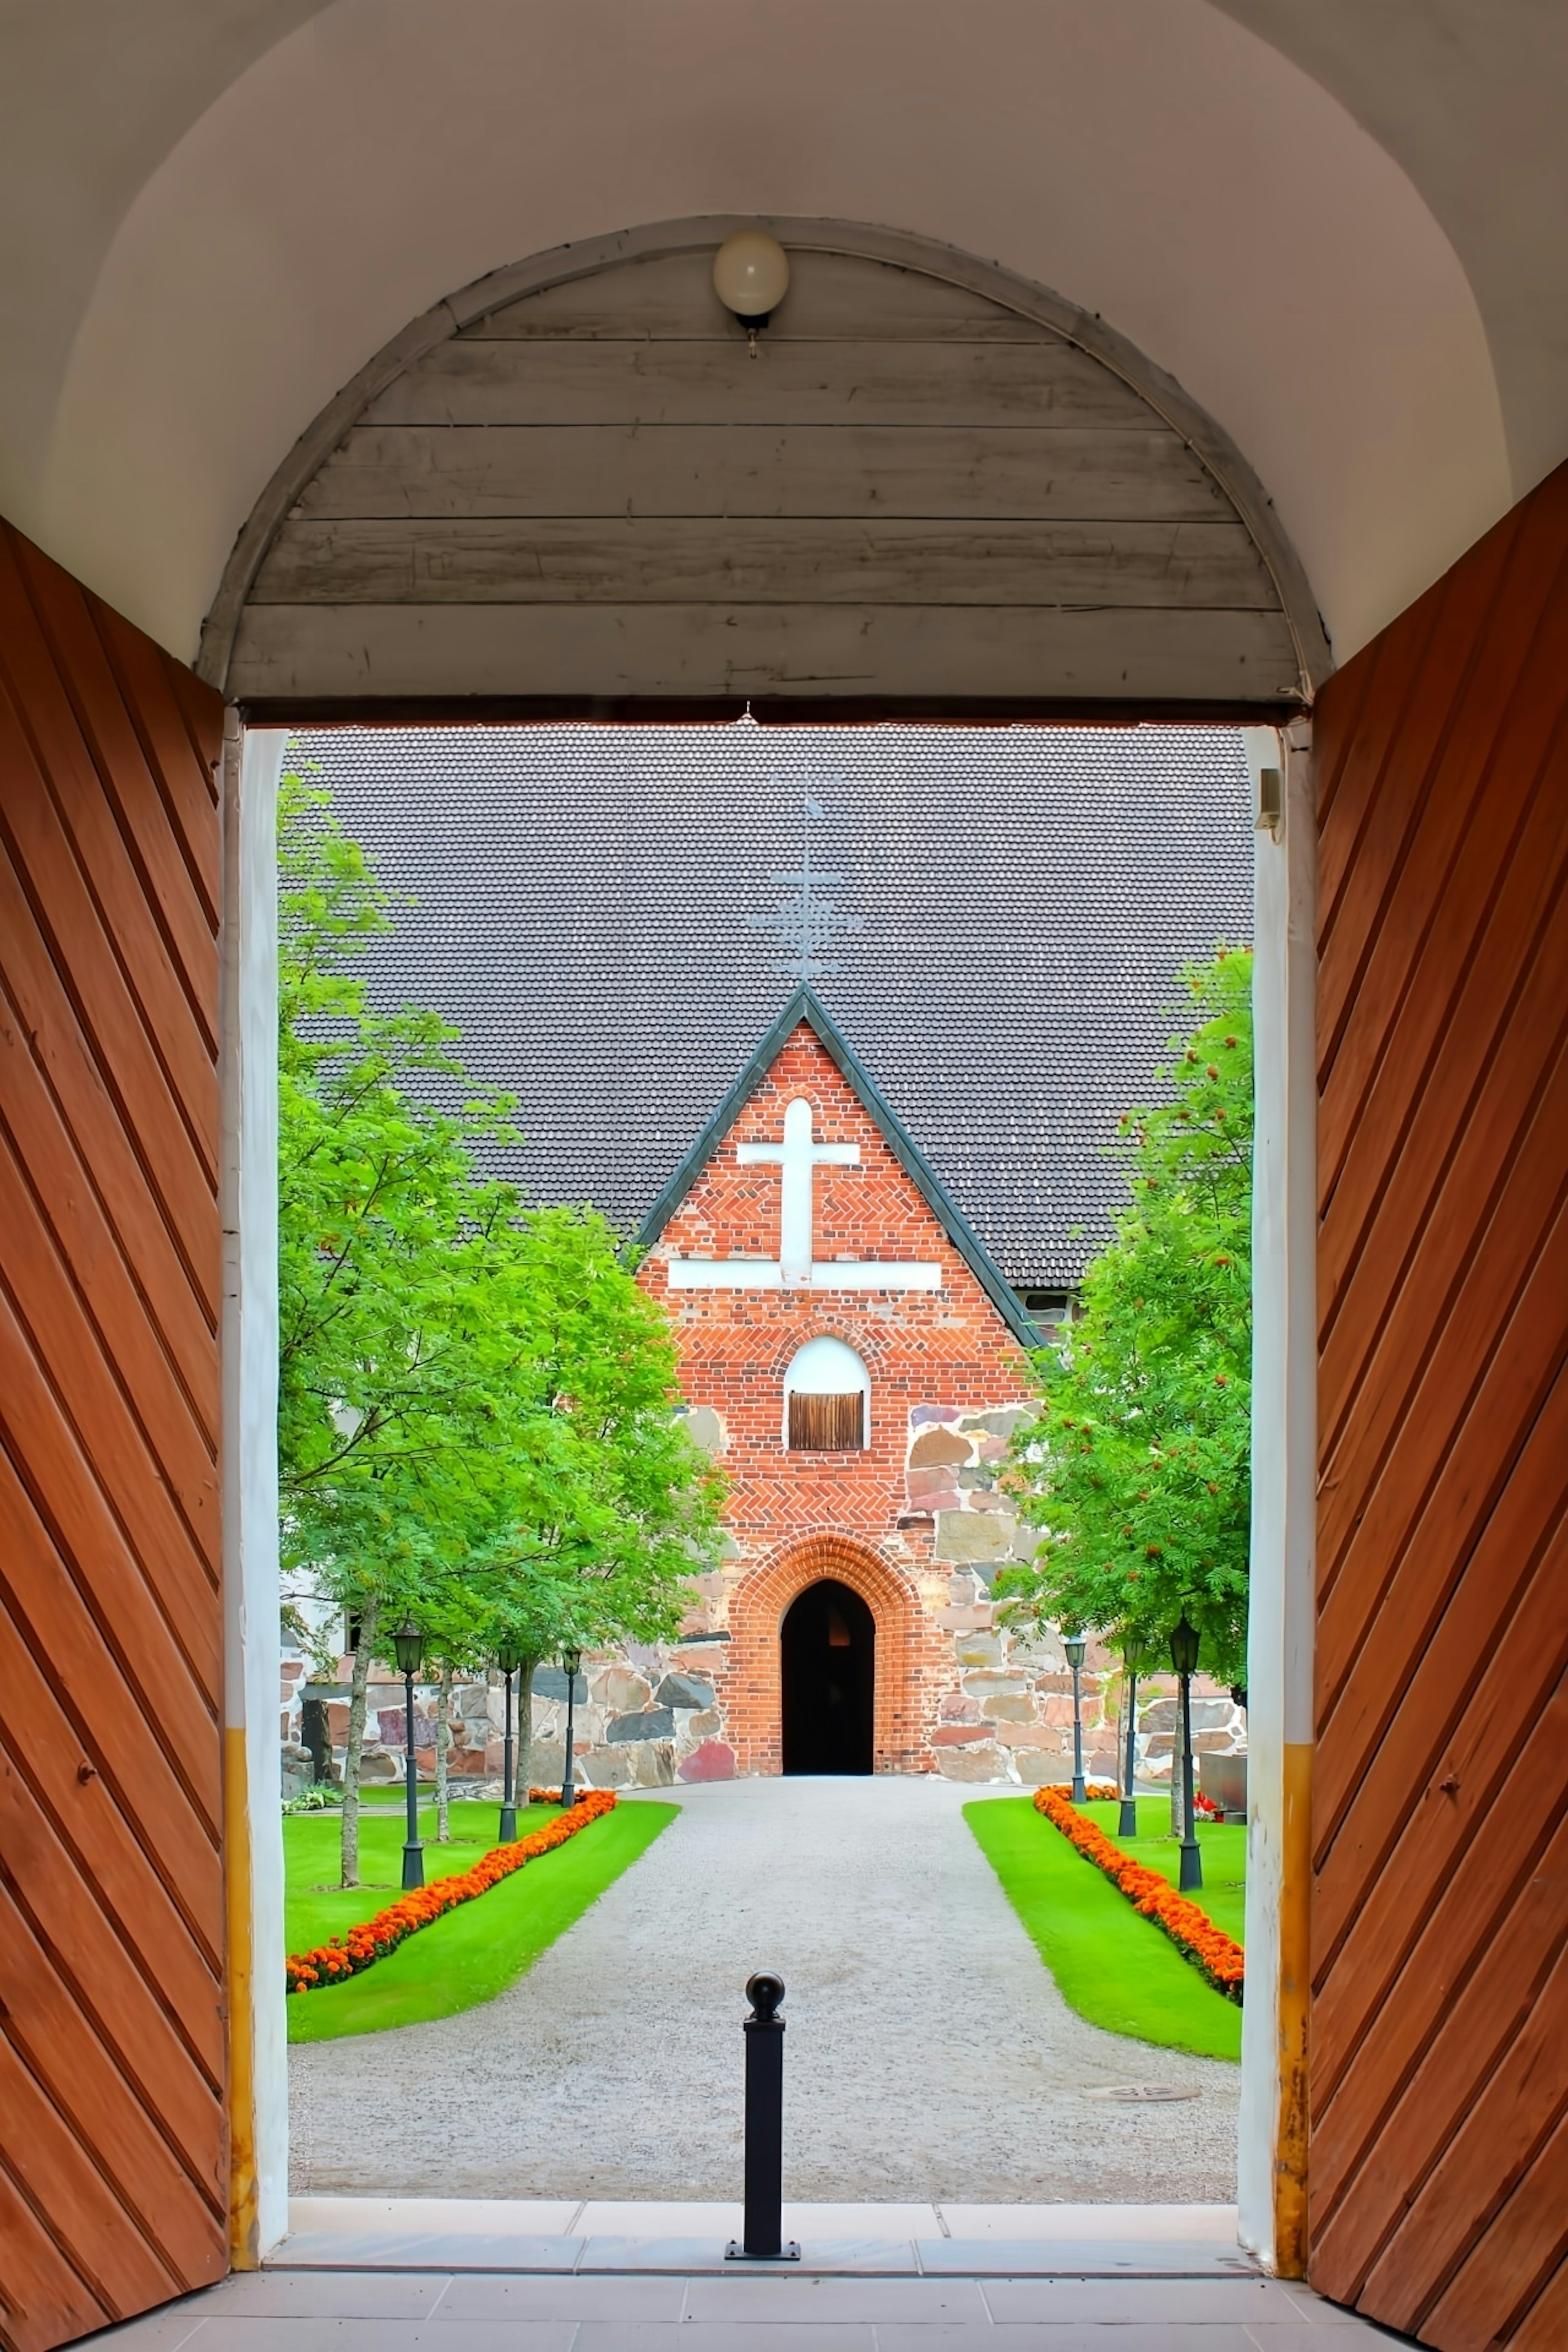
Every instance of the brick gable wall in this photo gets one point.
(915, 1522)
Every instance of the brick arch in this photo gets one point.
(906, 1648)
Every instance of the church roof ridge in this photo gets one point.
(806, 1005)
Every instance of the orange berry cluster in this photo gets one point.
(349, 1955)
(1193, 1932)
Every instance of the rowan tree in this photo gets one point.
(1137, 1467)
(476, 1422)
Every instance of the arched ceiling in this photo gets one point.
(1338, 223)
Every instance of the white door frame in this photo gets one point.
(1273, 2140)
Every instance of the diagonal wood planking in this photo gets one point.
(113, 2155)
(1440, 1902)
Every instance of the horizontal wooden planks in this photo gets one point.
(728, 649)
(832, 296)
(1047, 383)
(1440, 1922)
(656, 559)
(897, 446)
(113, 2157)
(982, 473)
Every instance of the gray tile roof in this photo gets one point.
(1027, 894)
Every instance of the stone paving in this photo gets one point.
(928, 2055)
(381, 2310)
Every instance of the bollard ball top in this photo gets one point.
(764, 1992)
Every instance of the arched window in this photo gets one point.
(827, 1400)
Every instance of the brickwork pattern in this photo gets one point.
(948, 1346)
(910, 1653)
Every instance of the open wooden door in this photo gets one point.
(114, 2188)
(1439, 2035)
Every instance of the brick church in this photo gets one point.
(864, 1174)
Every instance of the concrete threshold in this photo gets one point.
(582, 2237)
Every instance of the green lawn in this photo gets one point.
(1222, 1844)
(1114, 1968)
(474, 1952)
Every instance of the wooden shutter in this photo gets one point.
(826, 1424)
(113, 2148)
(1439, 2037)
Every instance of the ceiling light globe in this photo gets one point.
(751, 273)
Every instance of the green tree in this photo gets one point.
(1137, 1468)
(477, 1420)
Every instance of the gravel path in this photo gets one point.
(929, 2056)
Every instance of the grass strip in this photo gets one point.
(316, 1907)
(475, 1952)
(418, 1907)
(1222, 1845)
(1150, 1894)
(1116, 1969)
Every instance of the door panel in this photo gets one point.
(1440, 2171)
(114, 2149)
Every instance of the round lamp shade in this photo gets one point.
(408, 1644)
(508, 1657)
(1075, 1645)
(751, 273)
(572, 1659)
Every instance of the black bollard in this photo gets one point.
(764, 2032)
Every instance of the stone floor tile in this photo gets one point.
(1328, 2330)
(636, 2300)
(679, 2218)
(160, 2331)
(1091, 2258)
(1187, 2224)
(241, 2332)
(744, 2335)
(703, 2257)
(398, 2249)
(528, 2217)
(1189, 2302)
(328, 2295)
(817, 2299)
(1319, 2311)
(1110, 2335)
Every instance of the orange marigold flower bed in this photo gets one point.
(350, 1955)
(1193, 1932)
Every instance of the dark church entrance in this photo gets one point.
(829, 1644)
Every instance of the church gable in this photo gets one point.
(805, 1182)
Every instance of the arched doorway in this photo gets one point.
(828, 1646)
(902, 1644)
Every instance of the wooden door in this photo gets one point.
(113, 2186)
(1439, 2040)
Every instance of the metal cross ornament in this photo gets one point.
(807, 923)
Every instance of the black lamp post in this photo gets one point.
(507, 1658)
(409, 1645)
(571, 1660)
(1133, 1653)
(1184, 1658)
(1075, 1645)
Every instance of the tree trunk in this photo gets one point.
(443, 1751)
(525, 1728)
(355, 1749)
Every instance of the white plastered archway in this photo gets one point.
(1159, 165)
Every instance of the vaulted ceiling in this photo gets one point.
(1340, 224)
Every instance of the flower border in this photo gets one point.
(351, 1953)
(1215, 1954)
